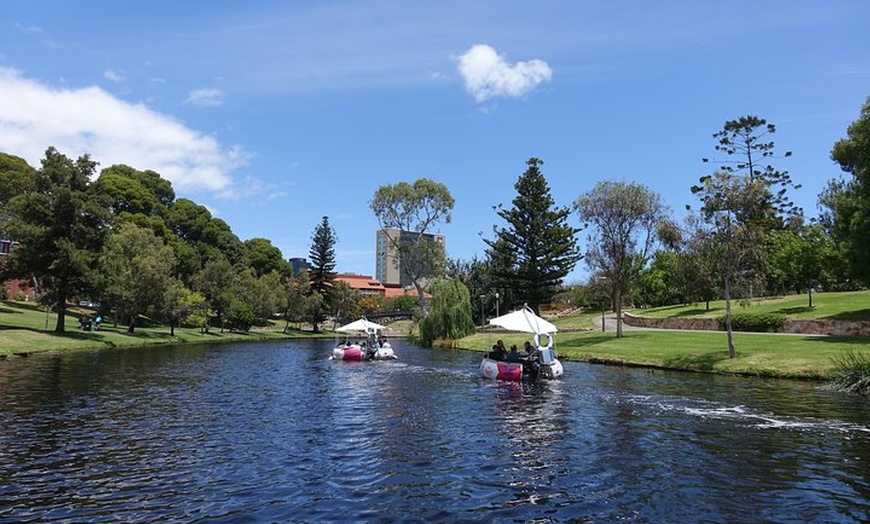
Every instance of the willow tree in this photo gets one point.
(625, 219)
(414, 210)
(450, 317)
(531, 255)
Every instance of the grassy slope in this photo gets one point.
(850, 305)
(23, 330)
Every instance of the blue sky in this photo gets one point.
(273, 114)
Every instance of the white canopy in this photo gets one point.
(361, 325)
(524, 320)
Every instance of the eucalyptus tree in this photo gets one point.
(536, 249)
(625, 219)
(414, 210)
(137, 268)
(60, 224)
(734, 246)
(322, 272)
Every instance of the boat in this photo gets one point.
(373, 346)
(541, 362)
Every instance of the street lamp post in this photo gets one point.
(496, 303)
(602, 315)
(482, 319)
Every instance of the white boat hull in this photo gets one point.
(357, 353)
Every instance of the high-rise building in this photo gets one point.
(388, 266)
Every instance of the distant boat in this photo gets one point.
(373, 347)
(541, 363)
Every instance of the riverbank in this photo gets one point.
(25, 329)
(758, 354)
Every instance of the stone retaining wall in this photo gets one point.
(808, 327)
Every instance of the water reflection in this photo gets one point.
(276, 432)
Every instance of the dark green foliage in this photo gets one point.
(746, 142)
(60, 223)
(852, 372)
(536, 249)
(322, 272)
(754, 322)
(241, 316)
(450, 316)
(846, 203)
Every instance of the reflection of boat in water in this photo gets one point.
(374, 347)
(541, 362)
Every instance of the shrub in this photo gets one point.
(755, 322)
(852, 372)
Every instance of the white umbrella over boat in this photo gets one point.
(524, 320)
(361, 325)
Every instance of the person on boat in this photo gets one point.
(527, 347)
(514, 355)
(499, 352)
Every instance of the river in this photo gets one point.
(276, 432)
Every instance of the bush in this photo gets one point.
(852, 372)
(754, 322)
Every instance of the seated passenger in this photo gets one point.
(498, 352)
(527, 347)
(514, 355)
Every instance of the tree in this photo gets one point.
(322, 271)
(733, 245)
(216, 282)
(183, 306)
(414, 209)
(536, 250)
(137, 270)
(747, 140)
(450, 318)
(625, 217)
(16, 178)
(262, 257)
(847, 202)
(60, 224)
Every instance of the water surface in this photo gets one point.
(275, 432)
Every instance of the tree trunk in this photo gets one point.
(617, 307)
(732, 351)
(60, 326)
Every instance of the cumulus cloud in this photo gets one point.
(487, 74)
(112, 131)
(206, 97)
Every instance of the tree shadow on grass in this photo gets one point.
(705, 362)
(851, 316)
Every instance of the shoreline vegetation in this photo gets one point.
(25, 329)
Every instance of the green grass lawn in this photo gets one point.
(848, 305)
(24, 328)
(772, 355)
(759, 354)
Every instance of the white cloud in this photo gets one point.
(206, 97)
(112, 75)
(488, 75)
(112, 131)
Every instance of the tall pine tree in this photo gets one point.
(60, 223)
(321, 274)
(531, 255)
